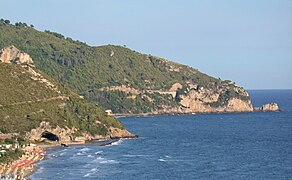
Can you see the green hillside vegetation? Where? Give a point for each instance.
(86, 69)
(24, 103)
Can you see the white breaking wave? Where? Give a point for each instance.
(84, 149)
(79, 154)
(136, 155)
(109, 162)
(99, 159)
(89, 156)
(62, 153)
(99, 152)
(116, 143)
(172, 160)
(93, 170)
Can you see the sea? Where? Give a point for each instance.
(198, 146)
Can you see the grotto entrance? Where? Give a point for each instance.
(50, 136)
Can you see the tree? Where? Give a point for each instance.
(6, 21)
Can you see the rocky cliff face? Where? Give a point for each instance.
(192, 98)
(72, 135)
(203, 100)
(239, 105)
(12, 55)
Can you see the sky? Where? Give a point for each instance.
(246, 41)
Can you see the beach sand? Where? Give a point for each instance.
(24, 166)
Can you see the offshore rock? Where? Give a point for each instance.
(270, 107)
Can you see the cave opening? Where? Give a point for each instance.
(50, 136)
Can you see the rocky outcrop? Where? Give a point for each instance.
(122, 88)
(270, 107)
(175, 87)
(120, 133)
(192, 98)
(40, 78)
(72, 135)
(239, 105)
(64, 135)
(204, 100)
(13, 55)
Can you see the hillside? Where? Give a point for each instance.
(31, 103)
(123, 80)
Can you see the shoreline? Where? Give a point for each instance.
(25, 166)
(119, 115)
(269, 107)
(98, 142)
(31, 168)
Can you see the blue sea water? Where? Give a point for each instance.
(210, 146)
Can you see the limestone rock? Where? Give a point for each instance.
(198, 101)
(66, 135)
(13, 55)
(272, 107)
(175, 87)
(120, 133)
(238, 105)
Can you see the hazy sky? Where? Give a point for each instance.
(247, 41)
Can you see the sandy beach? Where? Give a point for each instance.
(24, 166)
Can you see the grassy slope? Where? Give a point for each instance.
(82, 67)
(17, 86)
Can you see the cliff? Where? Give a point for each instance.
(32, 104)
